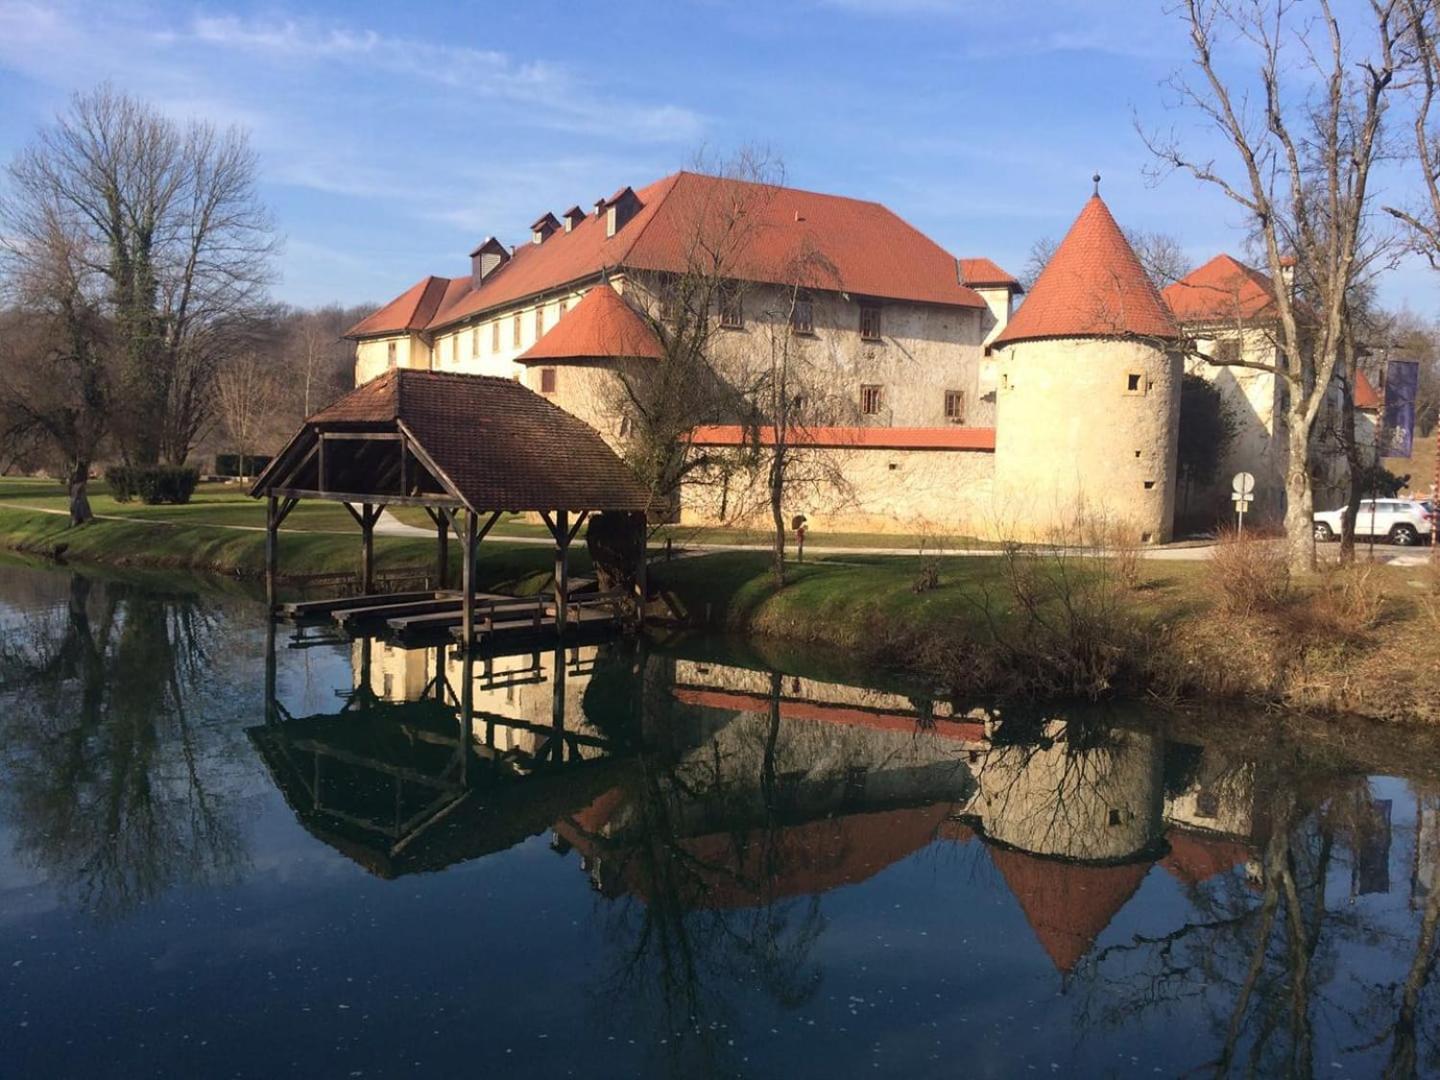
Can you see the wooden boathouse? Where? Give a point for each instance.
(466, 448)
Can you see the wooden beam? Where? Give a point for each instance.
(368, 516)
(422, 456)
(442, 548)
(562, 570)
(579, 521)
(468, 583)
(361, 436)
(272, 549)
(441, 501)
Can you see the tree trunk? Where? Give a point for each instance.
(80, 511)
(1300, 500)
(777, 493)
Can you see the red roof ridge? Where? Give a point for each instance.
(601, 326)
(1093, 287)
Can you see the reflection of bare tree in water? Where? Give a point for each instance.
(680, 958)
(105, 785)
(1265, 964)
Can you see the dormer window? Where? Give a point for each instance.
(619, 209)
(573, 217)
(486, 259)
(543, 227)
(870, 322)
(802, 316)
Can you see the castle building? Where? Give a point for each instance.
(1088, 413)
(932, 409)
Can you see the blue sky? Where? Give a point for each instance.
(395, 136)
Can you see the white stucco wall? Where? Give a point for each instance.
(1075, 444)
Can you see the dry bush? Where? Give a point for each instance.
(1348, 599)
(1248, 575)
(1071, 629)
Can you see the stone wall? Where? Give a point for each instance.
(946, 493)
(1086, 429)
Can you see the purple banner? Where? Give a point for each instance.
(1402, 385)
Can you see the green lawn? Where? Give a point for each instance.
(229, 504)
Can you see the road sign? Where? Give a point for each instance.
(1244, 484)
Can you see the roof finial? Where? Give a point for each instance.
(1096, 179)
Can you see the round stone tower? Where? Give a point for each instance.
(1087, 411)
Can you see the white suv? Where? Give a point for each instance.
(1401, 521)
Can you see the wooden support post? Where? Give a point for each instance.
(562, 570)
(271, 705)
(557, 706)
(272, 549)
(468, 581)
(467, 713)
(368, 517)
(442, 547)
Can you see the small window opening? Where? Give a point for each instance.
(1116, 817)
(870, 322)
(869, 400)
(732, 307)
(1133, 383)
(955, 406)
(547, 380)
(802, 316)
(390, 354)
(1149, 484)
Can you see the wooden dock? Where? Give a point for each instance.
(421, 616)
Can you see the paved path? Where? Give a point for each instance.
(390, 525)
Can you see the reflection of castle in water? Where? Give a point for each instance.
(709, 785)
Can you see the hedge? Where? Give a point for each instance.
(152, 483)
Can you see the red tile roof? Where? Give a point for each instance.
(849, 244)
(1366, 397)
(504, 447)
(858, 438)
(1093, 286)
(1067, 904)
(982, 273)
(411, 310)
(1224, 289)
(602, 326)
(1195, 857)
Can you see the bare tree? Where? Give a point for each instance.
(245, 397)
(1305, 130)
(1162, 256)
(792, 397)
(168, 216)
(687, 311)
(54, 379)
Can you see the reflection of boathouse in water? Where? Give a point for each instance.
(710, 785)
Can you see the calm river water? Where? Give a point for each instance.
(672, 860)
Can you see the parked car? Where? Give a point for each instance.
(1400, 521)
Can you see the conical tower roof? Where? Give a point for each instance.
(1093, 286)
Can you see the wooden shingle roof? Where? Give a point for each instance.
(501, 445)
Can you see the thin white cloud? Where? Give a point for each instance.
(565, 100)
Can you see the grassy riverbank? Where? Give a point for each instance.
(203, 547)
(1043, 625)
(1036, 625)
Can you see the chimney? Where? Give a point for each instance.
(486, 259)
(1287, 273)
(573, 217)
(542, 227)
